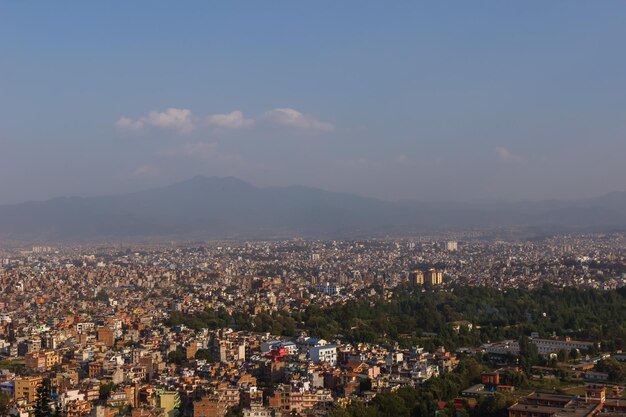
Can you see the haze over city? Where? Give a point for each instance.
(312, 208)
(435, 102)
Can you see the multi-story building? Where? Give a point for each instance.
(106, 336)
(42, 360)
(168, 401)
(328, 289)
(257, 410)
(434, 277)
(451, 245)
(416, 277)
(210, 406)
(545, 347)
(326, 354)
(26, 388)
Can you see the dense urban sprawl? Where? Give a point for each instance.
(256, 328)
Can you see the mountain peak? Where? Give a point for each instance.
(218, 207)
(202, 183)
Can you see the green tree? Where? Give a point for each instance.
(5, 399)
(528, 352)
(179, 411)
(494, 405)
(105, 390)
(616, 370)
(102, 296)
(204, 354)
(514, 378)
(177, 356)
(43, 400)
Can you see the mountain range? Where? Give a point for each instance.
(217, 208)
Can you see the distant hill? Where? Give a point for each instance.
(212, 208)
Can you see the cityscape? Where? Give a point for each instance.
(322, 208)
(251, 328)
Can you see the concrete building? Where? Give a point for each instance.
(26, 388)
(451, 246)
(106, 336)
(416, 277)
(326, 354)
(168, 401)
(211, 406)
(594, 403)
(434, 277)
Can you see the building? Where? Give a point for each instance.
(594, 403)
(284, 399)
(416, 277)
(326, 354)
(84, 327)
(78, 408)
(212, 406)
(190, 350)
(168, 401)
(328, 289)
(8, 388)
(26, 388)
(145, 412)
(490, 378)
(545, 346)
(434, 277)
(106, 336)
(35, 361)
(257, 410)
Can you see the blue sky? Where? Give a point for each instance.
(409, 100)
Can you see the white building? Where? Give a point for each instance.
(84, 327)
(257, 411)
(328, 289)
(327, 354)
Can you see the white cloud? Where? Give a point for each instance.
(172, 118)
(128, 123)
(182, 120)
(232, 120)
(293, 118)
(506, 155)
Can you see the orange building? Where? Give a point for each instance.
(106, 336)
(490, 378)
(26, 388)
(42, 360)
(211, 406)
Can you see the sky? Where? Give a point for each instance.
(440, 100)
